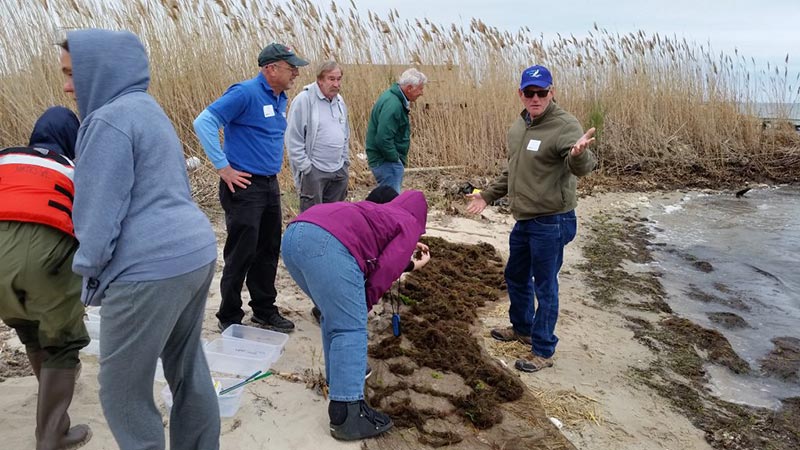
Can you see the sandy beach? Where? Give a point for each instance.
(589, 389)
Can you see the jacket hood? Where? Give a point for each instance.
(56, 130)
(105, 65)
(414, 202)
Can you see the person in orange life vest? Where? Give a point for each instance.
(39, 294)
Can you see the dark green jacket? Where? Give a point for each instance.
(388, 131)
(543, 181)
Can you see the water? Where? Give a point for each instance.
(753, 247)
(778, 110)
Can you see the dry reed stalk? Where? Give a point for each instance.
(669, 103)
(569, 406)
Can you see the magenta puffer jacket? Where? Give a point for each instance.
(381, 237)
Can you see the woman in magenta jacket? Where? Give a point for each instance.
(345, 256)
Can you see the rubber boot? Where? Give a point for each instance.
(351, 421)
(56, 387)
(36, 358)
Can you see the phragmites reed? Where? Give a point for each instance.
(666, 109)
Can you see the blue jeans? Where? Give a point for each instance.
(536, 254)
(389, 174)
(327, 272)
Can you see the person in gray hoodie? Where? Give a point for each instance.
(147, 252)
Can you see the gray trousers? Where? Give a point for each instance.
(317, 187)
(141, 321)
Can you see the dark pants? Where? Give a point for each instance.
(253, 219)
(536, 254)
(322, 187)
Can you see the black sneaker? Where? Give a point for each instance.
(275, 322)
(361, 421)
(317, 314)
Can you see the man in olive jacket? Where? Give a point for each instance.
(547, 151)
(389, 130)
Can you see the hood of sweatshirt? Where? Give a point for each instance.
(56, 130)
(414, 202)
(105, 65)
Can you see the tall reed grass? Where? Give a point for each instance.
(666, 108)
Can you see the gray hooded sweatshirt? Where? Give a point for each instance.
(133, 212)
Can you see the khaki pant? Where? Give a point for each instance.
(39, 293)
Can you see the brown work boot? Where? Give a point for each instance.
(53, 432)
(508, 334)
(533, 363)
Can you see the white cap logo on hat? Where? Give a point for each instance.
(535, 73)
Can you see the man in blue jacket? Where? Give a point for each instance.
(146, 250)
(253, 115)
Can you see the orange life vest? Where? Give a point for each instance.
(36, 186)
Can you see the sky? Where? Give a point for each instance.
(766, 30)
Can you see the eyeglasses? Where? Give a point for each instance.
(288, 67)
(529, 93)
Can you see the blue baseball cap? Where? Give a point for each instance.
(537, 76)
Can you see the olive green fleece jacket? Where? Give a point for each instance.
(388, 130)
(542, 181)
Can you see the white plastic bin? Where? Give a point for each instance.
(93, 348)
(93, 314)
(259, 335)
(159, 376)
(93, 328)
(240, 357)
(160, 372)
(228, 403)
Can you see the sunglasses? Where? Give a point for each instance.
(288, 67)
(528, 93)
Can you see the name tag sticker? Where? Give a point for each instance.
(533, 145)
(269, 111)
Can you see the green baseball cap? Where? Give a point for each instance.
(279, 52)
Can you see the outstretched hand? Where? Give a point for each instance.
(476, 204)
(582, 143)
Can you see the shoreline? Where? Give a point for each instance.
(603, 387)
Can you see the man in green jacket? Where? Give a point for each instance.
(547, 151)
(389, 130)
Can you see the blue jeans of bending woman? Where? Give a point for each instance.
(536, 252)
(327, 272)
